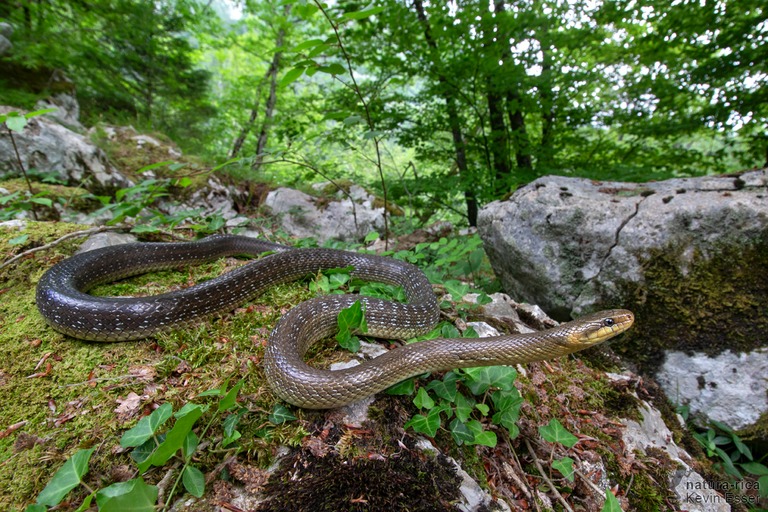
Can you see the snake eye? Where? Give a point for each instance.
(609, 322)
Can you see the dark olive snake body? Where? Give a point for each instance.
(63, 301)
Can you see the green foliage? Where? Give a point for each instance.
(154, 448)
(351, 320)
(732, 456)
(469, 399)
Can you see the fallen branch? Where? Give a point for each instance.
(58, 241)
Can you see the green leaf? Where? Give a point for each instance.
(190, 445)
(406, 387)
(194, 481)
(370, 237)
(152, 167)
(147, 426)
(36, 507)
(445, 388)
(611, 503)
(307, 44)
(230, 400)
(464, 407)
(86, 504)
(762, 482)
(41, 200)
(351, 319)
(280, 414)
(18, 239)
(481, 379)
(426, 425)
(481, 436)
(291, 76)
(484, 409)
(36, 113)
(16, 123)
(555, 432)
(185, 420)
(460, 432)
(457, 289)
(565, 467)
(144, 450)
(755, 468)
(66, 478)
(359, 15)
(333, 69)
(422, 400)
(131, 496)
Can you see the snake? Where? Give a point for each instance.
(64, 302)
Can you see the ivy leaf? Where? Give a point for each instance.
(280, 414)
(426, 425)
(66, 478)
(565, 467)
(555, 432)
(481, 379)
(146, 427)
(446, 388)
(133, 496)
(460, 432)
(406, 387)
(464, 407)
(422, 400)
(194, 481)
(18, 239)
(481, 436)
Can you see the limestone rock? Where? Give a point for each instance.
(729, 388)
(563, 242)
(301, 215)
(690, 488)
(50, 147)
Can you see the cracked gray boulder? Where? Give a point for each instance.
(48, 147)
(565, 243)
(688, 255)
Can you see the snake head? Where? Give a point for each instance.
(601, 326)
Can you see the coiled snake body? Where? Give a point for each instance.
(65, 305)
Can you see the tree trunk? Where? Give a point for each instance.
(453, 116)
(246, 129)
(269, 109)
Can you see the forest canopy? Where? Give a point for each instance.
(443, 106)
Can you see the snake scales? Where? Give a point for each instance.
(63, 301)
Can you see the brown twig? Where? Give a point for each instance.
(544, 476)
(58, 241)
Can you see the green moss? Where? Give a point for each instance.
(720, 303)
(63, 393)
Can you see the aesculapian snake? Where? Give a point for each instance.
(63, 300)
